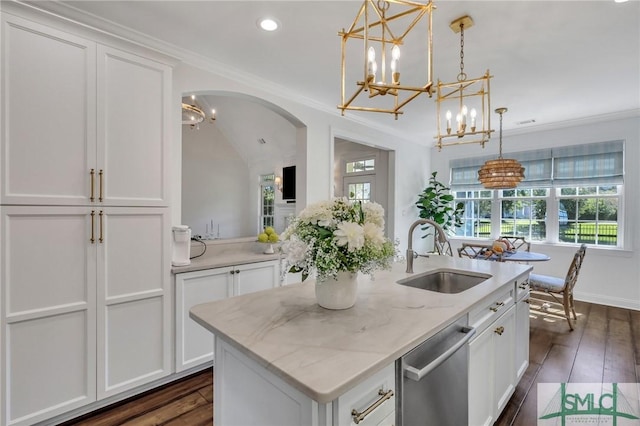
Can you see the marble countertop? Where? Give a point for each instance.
(222, 253)
(324, 353)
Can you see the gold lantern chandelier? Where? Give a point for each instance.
(463, 106)
(501, 173)
(382, 27)
(193, 115)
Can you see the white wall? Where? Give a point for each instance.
(217, 178)
(608, 276)
(314, 150)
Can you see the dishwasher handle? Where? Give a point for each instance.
(416, 375)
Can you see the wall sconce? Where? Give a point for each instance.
(278, 182)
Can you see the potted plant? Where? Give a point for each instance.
(335, 240)
(436, 203)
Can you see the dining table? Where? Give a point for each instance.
(524, 256)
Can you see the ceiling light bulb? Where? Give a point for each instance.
(193, 97)
(371, 54)
(268, 24)
(395, 52)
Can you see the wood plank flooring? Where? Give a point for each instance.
(604, 347)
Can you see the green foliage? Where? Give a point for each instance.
(436, 203)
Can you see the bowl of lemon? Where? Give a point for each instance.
(269, 237)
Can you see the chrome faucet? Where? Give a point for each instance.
(442, 237)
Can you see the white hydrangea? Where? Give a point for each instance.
(373, 213)
(318, 214)
(295, 249)
(350, 234)
(373, 234)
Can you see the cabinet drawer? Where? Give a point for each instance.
(491, 307)
(522, 287)
(379, 391)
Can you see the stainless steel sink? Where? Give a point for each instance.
(445, 280)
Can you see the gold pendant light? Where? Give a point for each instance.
(466, 102)
(502, 173)
(381, 27)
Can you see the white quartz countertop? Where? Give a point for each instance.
(323, 353)
(222, 253)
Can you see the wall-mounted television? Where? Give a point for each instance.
(289, 183)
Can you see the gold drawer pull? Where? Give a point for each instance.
(499, 330)
(93, 226)
(101, 214)
(100, 174)
(523, 286)
(92, 173)
(493, 309)
(527, 301)
(500, 303)
(358, 417)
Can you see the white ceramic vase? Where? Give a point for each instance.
(340, 293)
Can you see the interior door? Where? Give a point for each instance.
(359, 188)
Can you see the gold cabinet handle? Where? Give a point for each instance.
(101, 239)
(523, 286)
(359, 416)
(92, 173)
(499, 330)
(101, 174)
(527, 301)
(494, 309)
(500, 303)
(232, 272)
(93, 226)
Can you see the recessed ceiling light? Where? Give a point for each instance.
(268, 24)
(621, 1)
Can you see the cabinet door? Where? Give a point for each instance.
(504, 334)
(194, 344)
(48, 292)
(481, 378)
(133, 298)
(522, 337)
(48, 115)
(133, 129)
(256, 276)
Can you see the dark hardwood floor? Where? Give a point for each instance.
(604, 347)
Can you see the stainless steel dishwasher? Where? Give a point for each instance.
(432, 379)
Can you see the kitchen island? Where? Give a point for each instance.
(283, 336)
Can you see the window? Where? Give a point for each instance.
(523, 213)
(477, 213)
(589, 214)
(368, 165)
(569, 195)
(267, 200)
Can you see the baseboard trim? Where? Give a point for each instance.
(607, 300)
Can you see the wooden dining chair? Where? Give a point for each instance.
(478, 251)
(517, 243)
(556, 286)
(443, 247)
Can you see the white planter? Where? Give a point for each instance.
(340, 293)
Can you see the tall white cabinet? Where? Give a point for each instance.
(85, 226)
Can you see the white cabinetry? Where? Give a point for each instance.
(82, 319)
(85, 252)
(495, 354)
(251, 392)
(194, 344)
(522, 328)
(65, 156)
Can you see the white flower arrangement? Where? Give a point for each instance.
(337, 235)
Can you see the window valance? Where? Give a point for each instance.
(597, 163)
